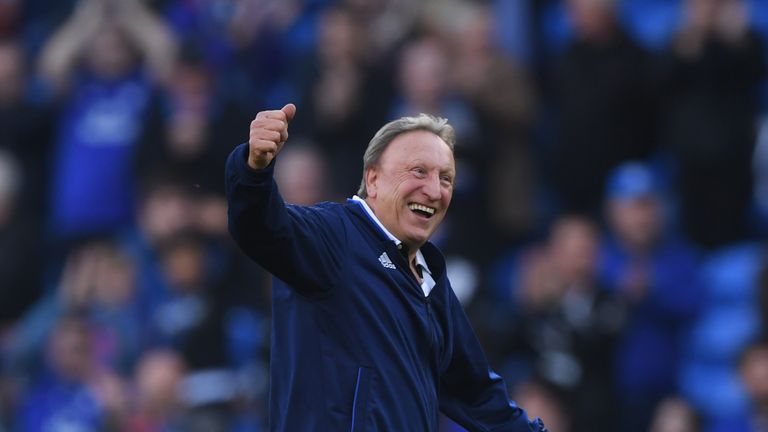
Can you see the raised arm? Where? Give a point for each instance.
(63, 49)
(149, 34)
(301, 245)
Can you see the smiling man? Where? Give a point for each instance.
(367, 334)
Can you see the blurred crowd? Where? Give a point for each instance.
(607, 236)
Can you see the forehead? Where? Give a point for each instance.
(418, 146)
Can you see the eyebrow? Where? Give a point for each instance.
(442, 170)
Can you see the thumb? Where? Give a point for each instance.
(289, 110)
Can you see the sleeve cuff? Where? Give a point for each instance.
(248, 175)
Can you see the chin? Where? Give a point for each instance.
(419, 239)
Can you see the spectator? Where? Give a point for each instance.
(179, 128)
(185, 277)
(20, 249)
(605, 99)
(178, 140)
(93, 62)
(157, 404)
(501, 94)
(190, 317)
(24, 146)
(711, 70)
(168, 207)
(655, 274)
(165, 209)
(570, 325)
(424, 86)
(254, 46)
(98, 284)
(76, 394)
(346, 91)
(26, 129)
(111, 305)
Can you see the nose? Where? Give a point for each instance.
(432, 187)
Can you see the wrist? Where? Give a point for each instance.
(257, 163)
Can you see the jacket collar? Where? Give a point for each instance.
(428, 255)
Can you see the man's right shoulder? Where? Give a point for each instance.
(347, 214)
(332, 212)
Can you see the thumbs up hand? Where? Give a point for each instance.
(269, 131)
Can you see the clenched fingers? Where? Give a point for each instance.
(268, 132)
(269, 124)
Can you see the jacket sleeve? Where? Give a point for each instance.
(471, 394)
(301, 245)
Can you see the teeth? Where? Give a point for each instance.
(423, 208)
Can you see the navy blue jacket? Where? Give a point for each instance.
(356, 346)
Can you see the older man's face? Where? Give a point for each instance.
(410, 188)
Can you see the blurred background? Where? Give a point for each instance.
(607, 235)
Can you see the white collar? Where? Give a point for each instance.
(419, 256)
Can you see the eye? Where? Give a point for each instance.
(419, 171)
(447, 180)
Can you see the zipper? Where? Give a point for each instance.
(428, 307)
(405, 267)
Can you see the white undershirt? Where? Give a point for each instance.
(427, 283)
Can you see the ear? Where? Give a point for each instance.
(371, 181)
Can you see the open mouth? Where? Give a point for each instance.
(422, 210)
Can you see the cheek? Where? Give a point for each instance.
(446, 198)
(405, 189)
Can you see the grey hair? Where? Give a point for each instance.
(426, 122)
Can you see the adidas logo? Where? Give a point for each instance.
(385, 261)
